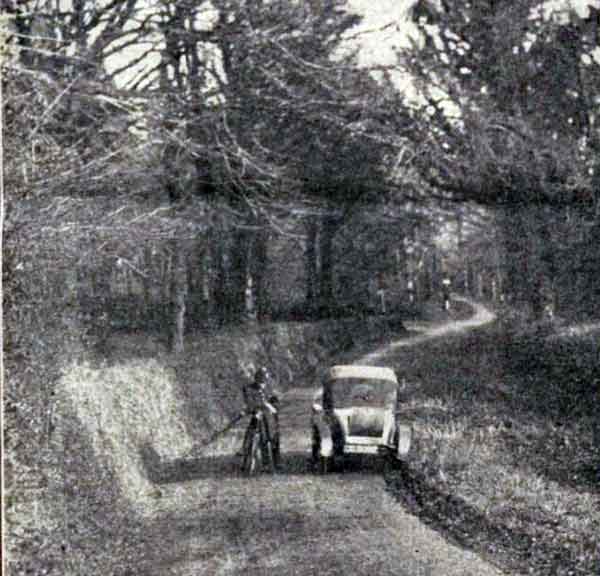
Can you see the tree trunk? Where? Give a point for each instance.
(548, 262)
(178, 297)
(258, 267)
(435, 275)
(462, 279)
(312, 266)
(221, 305)
(197, 271)
(147, 302)
(515, 240)
(240, 258)
(530, 261)
(469, 274)
(328, 231)
(100, 303)
(207, 296)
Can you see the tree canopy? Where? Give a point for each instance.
(511, 98)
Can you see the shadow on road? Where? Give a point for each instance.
(211, 466)
(470, 527)
(228, 465)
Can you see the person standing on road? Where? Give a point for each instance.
(262, 395)
(446, 293)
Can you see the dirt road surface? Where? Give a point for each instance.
(212, 521)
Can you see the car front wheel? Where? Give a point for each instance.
(324, 466)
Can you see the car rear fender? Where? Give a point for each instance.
(404, 441)
(389, 425)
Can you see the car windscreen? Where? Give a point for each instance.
(347, 392)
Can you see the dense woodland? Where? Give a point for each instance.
(205, 189)
(178, 165)
(243, 136)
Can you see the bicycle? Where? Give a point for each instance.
(257, 451)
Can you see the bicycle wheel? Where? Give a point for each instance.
(255, 460)
(266, 449)
(246, 447)
(251, 450)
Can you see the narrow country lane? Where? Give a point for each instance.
(427, 331)
(210, 520)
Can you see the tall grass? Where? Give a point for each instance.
(122, 409)
(506, 426)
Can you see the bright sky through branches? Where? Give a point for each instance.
(385, 28)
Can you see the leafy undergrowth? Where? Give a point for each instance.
(504, 458)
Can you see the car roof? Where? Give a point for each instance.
(357, 371)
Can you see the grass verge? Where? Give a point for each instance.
(504, 459)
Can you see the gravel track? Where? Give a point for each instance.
(209, 520)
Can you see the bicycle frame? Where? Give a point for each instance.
(257, 448)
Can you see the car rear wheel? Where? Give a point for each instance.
(390, 463)
(315, 445)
